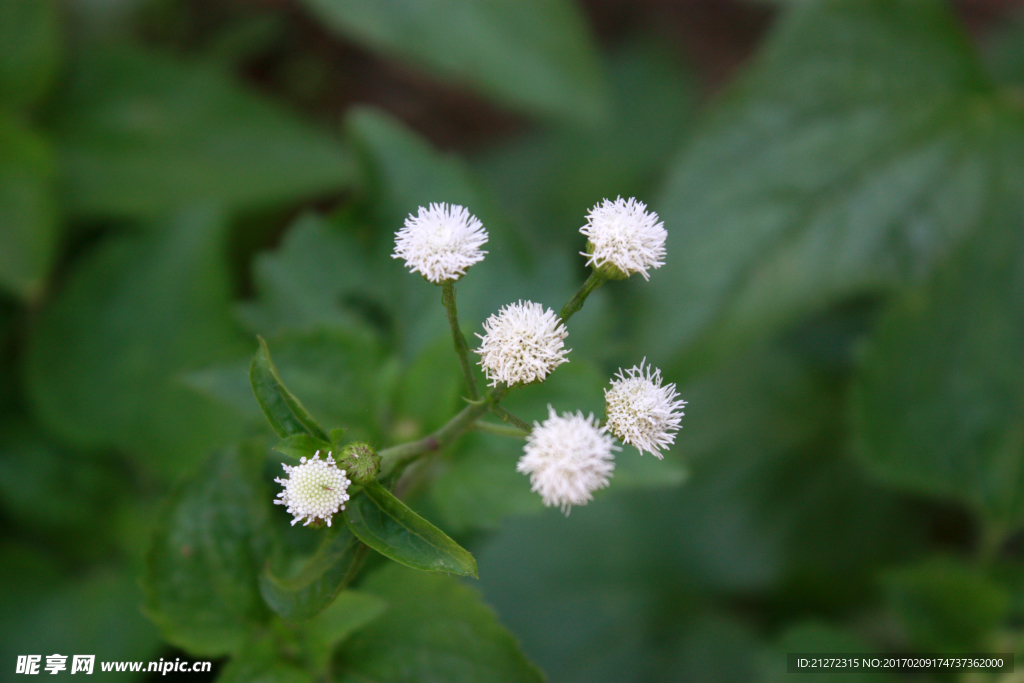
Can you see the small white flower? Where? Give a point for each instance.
(316, 489)
(567, 458)
(524, 342)
(641, 412)
(441, 242)
(625, 235)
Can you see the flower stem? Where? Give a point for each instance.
(395, 459)
(448, 299)
(576, 302)
(500, 430)
(508, 417)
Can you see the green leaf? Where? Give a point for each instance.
(28, 208)
(105, 355)
(141, 133)
(825, 173)
(29, 32)
(463, 640)
(318, 582)
(302, 446)
(284, 412)
(535, 55)
(939, 403)
(341, 376)
(387, 525)
(204, 557)
(350, 612)
(304, 284)
(945, 605)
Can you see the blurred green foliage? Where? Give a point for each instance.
(842, 306)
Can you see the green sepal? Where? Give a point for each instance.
(303, 446)
(360, 461)
(318, 584)
(390, 527)
(284, 412)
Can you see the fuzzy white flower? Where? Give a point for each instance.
(524, 342)
(567, 458)
(641, 412)
(624, 234)
(315, 489)
(441, 242)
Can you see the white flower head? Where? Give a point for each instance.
(641, 412)
(441, 242)
(524, 342)
(316, 489)
(626, 236)
(567, 458)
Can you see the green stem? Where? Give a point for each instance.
(499, 430)
(576, 302)
(448, 299)
(508, 417)
(395, 459)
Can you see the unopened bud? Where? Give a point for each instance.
(360, 461)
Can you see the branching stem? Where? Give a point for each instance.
(576, 302)
(448, 298)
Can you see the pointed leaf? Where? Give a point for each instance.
(319, 581)
(303, 446)
(388, 526)
(285, 412)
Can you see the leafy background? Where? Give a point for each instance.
(843, 306)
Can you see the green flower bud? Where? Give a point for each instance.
(607, 269)
(360, 461)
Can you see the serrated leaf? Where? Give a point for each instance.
(28, 208)
(29, 32)
(464, 642)
(939, 402)
(141, 133)
(825, 173)
(104, 356)
(536, 55)
(285, 413)
(203, 561)
(387, 525)
(302, 446)
(317, 583)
